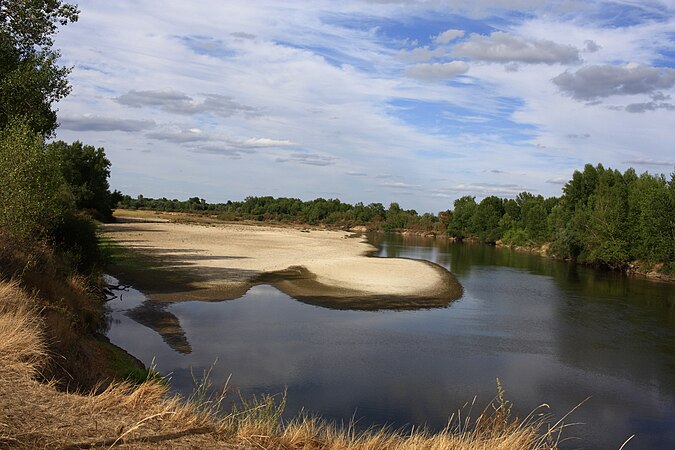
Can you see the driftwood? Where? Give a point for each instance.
(110, 295)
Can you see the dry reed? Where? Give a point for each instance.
(35, 414)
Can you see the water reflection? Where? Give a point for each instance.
(551, 332)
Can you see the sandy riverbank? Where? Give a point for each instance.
(224, 260)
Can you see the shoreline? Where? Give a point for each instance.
(177, 262)
(634, 269)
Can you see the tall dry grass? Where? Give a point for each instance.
(35, 414)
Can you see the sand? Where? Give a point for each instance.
(225, 260)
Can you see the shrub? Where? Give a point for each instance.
(33, 195)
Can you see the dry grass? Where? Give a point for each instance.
(35, 414)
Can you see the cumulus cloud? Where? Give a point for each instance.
(447, 36)
(557, 180)
(591, 46)
(598, 81)
(180, 103)
(98, 123)
(578, 136)
(501, 47)
(437, 71)
(420, 54)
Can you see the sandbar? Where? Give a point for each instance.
(222, 261)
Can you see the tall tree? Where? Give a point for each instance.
(485, 220)
(86, 169)
(460, 225)
(31, 81)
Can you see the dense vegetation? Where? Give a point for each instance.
(604, 217)
(49, 193)
(292, 210)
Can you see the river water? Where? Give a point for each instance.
(551, 333)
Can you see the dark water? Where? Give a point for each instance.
(552, 333)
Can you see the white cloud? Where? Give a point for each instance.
(558, 180)
(180, 103)
(503, 47)
(310, 159)
(325, 90)
(437, 71)
(267, 142)
(420, 54)
(448, 35)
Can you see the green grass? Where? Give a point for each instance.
(126, 368)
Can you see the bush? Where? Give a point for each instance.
(516, 236)
(34, 198)
(76, 238)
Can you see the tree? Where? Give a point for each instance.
(606, 232)
(30, 79)
(652, 226)
(34, 198)
(534, 218)
(86, 169)
(485, 220)
(460, 225)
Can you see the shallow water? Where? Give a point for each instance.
(551, 332)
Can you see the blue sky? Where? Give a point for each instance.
(419, 102)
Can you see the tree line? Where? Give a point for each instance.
(49, 192)
(604, 217)
(320, 211)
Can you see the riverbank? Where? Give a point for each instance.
(38, 310)
(171, 261)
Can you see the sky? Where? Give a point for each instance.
(417, 102)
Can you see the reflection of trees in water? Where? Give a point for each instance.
(618, 326)
(603, 321)
(157, 317)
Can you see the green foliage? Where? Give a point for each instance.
(485, 219)
(461, 225)
(30, 79)
(603, 217)
(314, 212)
(651, 203)
(516, 236)
(34, 198)
(86, 170)
(75, 236)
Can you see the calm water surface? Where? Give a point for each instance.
(551, 332)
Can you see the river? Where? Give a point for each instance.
(551, 333)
